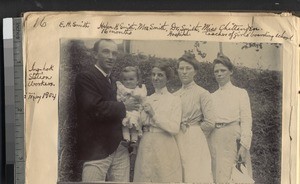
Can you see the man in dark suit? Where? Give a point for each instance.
(100, 119)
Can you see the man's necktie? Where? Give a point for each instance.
(108, 78)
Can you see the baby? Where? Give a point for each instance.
(130, 86)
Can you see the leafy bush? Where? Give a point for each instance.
(264, 88)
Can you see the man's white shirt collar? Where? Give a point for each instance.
(103, 72)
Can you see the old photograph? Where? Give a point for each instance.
(169, 111)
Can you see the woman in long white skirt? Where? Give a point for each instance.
(197, 120)
(231, 139)
(158, 158)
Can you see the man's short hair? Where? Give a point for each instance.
(97, 43)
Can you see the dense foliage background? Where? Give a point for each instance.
(264, 88)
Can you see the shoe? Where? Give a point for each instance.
(125, 143)
(133, 146)
(133, 151)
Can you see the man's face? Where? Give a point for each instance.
(106, 55)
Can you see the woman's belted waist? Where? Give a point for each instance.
(186, 124)
(221, 125)
(152, 129)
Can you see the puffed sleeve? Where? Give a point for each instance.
(143, 91)
(246, 119)
(140, 91)
(121, 92)
(170, 119)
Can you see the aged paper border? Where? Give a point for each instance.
(41, 44)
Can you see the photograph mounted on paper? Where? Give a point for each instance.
(169, 111)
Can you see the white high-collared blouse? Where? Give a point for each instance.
(167, 108)
(233, 104)
(197, 103)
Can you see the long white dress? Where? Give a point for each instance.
(192, 143)
(158, 158)
(223, 141)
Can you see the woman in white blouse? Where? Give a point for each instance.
(230, 141)
(197, 120)
(158, 158)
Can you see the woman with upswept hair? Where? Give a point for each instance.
(196, 123)
(158, 158)
(230, 141)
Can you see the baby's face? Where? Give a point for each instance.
(130, 80)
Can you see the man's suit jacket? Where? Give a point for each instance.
(99, 115)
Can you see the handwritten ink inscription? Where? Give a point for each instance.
(40, 75)
(38, 97)
(121, 28)
(183, 30)
(231, 30)
(74, 24)
(40, 22)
